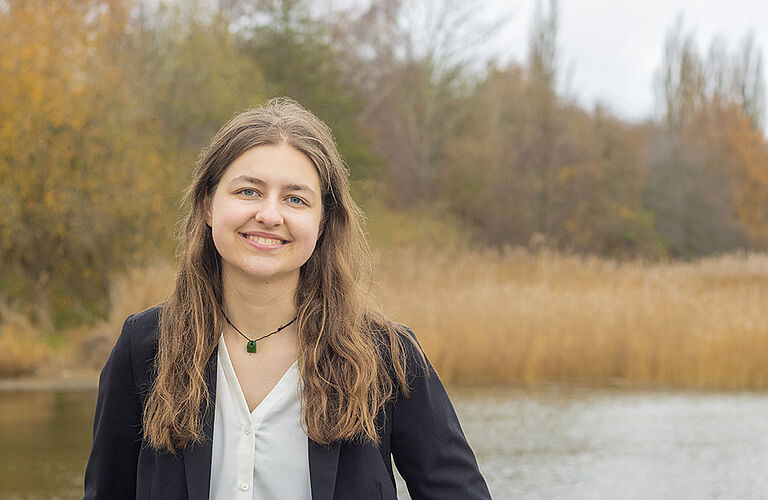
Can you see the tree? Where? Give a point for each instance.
(543, 101)
(75, 182)
(187, 64)
(297, 59)
(707, 175)
(410, 60)
(682, 79)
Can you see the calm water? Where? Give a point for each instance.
(45, 439)
(569, 443)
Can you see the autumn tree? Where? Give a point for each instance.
(596, 185)
(706, 175)
(75, 179)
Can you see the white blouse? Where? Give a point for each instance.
(262, 454)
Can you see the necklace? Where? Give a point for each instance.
(251, 345)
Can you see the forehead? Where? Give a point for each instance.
(274, 164)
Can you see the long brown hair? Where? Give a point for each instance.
(348, 349)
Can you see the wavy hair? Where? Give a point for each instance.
(352, 358)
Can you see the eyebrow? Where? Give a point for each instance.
(286, 187)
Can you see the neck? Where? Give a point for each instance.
(254, 305)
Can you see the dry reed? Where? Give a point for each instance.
(21, 350)
(513, 316)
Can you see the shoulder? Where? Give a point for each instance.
(145, 320)
(399, 347)
(416, 360)
(142, 329)
(137, 343)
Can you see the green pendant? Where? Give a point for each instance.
(251, 346)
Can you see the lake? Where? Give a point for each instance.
(537, 443)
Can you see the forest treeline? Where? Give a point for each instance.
(105, 104)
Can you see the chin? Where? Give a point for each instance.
(263, 274)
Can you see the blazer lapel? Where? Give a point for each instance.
(323, 459)
(197, 457)
(323, 464)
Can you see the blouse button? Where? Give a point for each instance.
(247, 430)
(244, 486)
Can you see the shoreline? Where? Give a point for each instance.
(78, 382)
(90, 382)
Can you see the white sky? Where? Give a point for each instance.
(611, 49)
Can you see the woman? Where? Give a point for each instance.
(268, 373)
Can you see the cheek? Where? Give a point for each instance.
(311, 232)
(224, 222)
(225, 214)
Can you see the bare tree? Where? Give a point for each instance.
(411, 59)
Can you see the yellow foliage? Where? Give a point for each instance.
(70, 152)
(745, 153)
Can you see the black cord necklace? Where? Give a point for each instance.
(251, 345)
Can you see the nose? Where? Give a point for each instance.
(269, 213)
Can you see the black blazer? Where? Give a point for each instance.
(421, 433)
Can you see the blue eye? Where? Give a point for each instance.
(296, 200)
(248, 192)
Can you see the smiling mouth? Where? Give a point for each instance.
(264, 241)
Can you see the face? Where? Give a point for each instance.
(265, 213)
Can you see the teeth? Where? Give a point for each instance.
(263, 241)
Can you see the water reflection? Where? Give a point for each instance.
(45, 436)
(579, 443)
(536, 443)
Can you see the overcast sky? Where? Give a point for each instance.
(611, 49)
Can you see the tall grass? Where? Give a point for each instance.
(21, 350)
(520, 317)
(513, 316)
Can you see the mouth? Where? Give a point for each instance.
(268, 241)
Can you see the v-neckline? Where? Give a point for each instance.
(277, 391)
